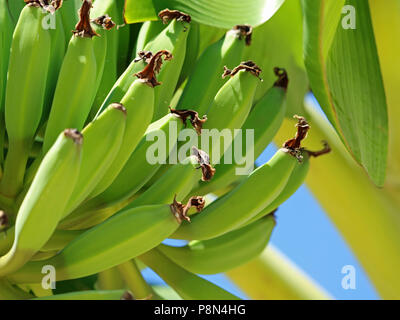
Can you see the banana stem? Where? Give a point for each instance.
(271, 276)
(110, 279)
(135, 281)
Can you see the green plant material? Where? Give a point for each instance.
(130, 233)
(136, 172)
(110, 279)
(272, 276)
(216, 13)
(205, 80)
(70, 16)
(15, 7)
(10, 292)
(51, 188)
(23, 108)
(345, 76)
(386, 22)
(87, 295)
(367, 208)
(210, 256)
(186, 284)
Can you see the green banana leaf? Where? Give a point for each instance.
(345, 76)
(217, 13)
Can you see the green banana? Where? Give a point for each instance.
(109, 127)
(205, 80)
(45, 201)
(136, 172)
(69, 16)
(265, 120)
(210, 256)
(86, 295)
(74, 91)
(29, 60)
(148, 31)
(259, 189)
(188, 285)
(131, 233)
(109, 76)
(15, 7)
(139, 103)
(172, 37)
(177, 182)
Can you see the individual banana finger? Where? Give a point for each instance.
(210, 256)
(45, 200)
(29, 61)
(130, 233)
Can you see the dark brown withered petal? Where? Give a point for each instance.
(49, 6)
(202, 157)
(197, 202)
(326, 149)
(177, 210)
(74, 134)
(249, 66)
(283, 79)
(167, 15)
(208, 172)
(204, 160)
(193, 116)
(105, 22)
(301, 134)
(144, 56)
(197, 123)
(245, 31)
(83, 27)
(127, 295)
(148, 74)
(3, 220)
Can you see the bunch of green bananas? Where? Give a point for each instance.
(78, 115)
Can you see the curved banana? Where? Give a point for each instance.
(211, 256)
(173, 36)
(130, 233)
(136, 172)
(259, 189)
(177, 182)
(29, 61)
(45, 201)
(74, 91)
(109, 128)
(205, 80)
(188, 285)
(148, 31)
(139, 103)
(265, 120)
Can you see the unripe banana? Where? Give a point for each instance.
(224, 252)
(86, 295)
(169, 39)
(109, 128)
(29, 60)
(75, 90)
(205, 80)
(139, 103)
(177, 182)
(188, 285)
(69, 16)
(130, 233)
(148, 31)
(265, 120)
(295, 181)
(259, 189)
(136, 172)
(45, 201)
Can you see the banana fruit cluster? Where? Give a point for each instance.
(82, 99)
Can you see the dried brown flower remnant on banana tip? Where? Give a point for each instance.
(193, 116)
(283, 80)
(244, 30)
(204, 161)
(49, 6)
(3, 220)
(74, 134)
(104, 21)
(180, 210)
(83, 27)
(167, 15)
(148, 74)
(248, 66)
